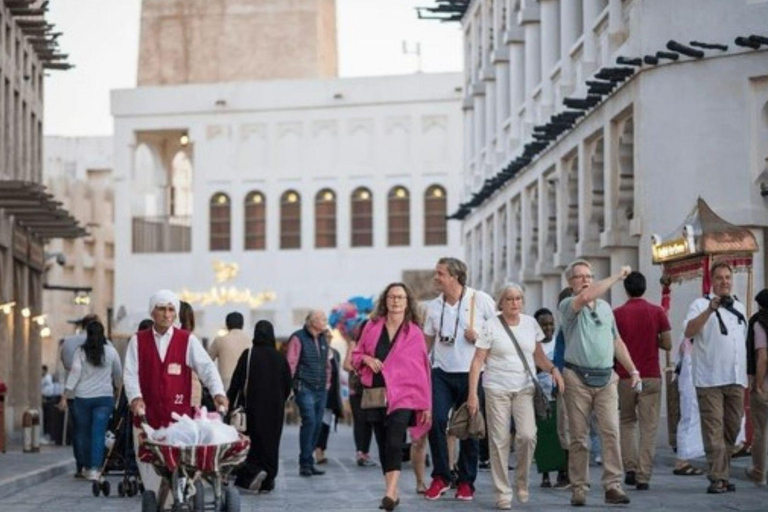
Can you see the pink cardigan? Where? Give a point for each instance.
(406, 371)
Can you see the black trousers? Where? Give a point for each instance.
(322, 439)
(390, 436)
(363, 429)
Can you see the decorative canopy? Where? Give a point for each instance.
(37, 211)
(703, 239)
(445, 10)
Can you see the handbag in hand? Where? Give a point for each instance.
(540, 402)
(238, 416)
(374, 398)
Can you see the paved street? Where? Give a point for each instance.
(348, 487)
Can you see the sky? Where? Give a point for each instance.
(102, 40)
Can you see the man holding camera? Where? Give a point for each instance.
(453, 322)
(717, 325)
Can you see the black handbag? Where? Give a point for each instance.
(540, 401)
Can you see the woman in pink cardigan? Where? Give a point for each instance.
(392, 354)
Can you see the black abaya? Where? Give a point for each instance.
(269, 385)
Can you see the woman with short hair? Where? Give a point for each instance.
(392, 354)
(509, 389)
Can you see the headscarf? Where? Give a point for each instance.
(762, 298)
(164, 298)
(264, 333)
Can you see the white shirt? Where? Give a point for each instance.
(456, 357)
(718, 359)
(504, 370)
(545, 379)
(197, 359)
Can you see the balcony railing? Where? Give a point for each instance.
(162, 234)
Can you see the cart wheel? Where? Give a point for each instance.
(149, 502)
(105, 487)
(136, 488)
(121, 489)
(199, 497)
(231, 499)
(95, 488)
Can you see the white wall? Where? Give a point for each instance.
(302, 135)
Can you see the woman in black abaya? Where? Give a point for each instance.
(262, 384)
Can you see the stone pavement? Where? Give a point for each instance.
(348, 487)
(20, 470)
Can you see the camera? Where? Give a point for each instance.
(447, 340)
(726, 301)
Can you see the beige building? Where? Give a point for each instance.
(78, 172)
(29, 217)
(204, 41)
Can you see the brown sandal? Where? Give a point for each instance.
(688, 470)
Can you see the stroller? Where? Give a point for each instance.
(184, 469)
(121, 457)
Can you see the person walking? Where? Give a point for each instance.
(591, 343)
(362, 429)
(95, 374)
(645, 329)
(453, 321)
(392, 360)
(226, 350)
(509, 389)
(718, 328)
(333, 407)
(261, 382)
(549, 454)
(311, 371)
(757, 367)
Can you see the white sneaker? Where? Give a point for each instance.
(92, 474)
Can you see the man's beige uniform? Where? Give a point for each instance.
(226, 350)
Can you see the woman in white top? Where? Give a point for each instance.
(509, 390)
(95, 369)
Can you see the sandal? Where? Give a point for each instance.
(688, 470)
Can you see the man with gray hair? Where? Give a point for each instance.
(591, 343)
(453, 322)
(311, 370)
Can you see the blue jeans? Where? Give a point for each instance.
(91, 419)
(449, 390)
(311, 404)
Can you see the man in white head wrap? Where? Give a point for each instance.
(159, 362)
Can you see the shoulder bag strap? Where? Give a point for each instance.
(519, 350)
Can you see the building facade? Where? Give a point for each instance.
(275, 197)
(200, 41)
(585, 134)
(79, 277)
(29, 217)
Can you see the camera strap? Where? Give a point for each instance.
(458, 315)
(730, 309)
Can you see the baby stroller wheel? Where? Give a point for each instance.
(121, 489)
(231, 499)
(95, 488)
(135, 487)
(199, 503)
(149, 502)
(105, 487)
(140, 486)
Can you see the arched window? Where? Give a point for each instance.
(220, 222)
(435, 225)
(398, 217)
(362, 218)
(290, 220)
(325, 219)
(255, 221)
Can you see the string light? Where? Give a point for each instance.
(7, 307)
(26, 312)
(39, 319)
(45, 332)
